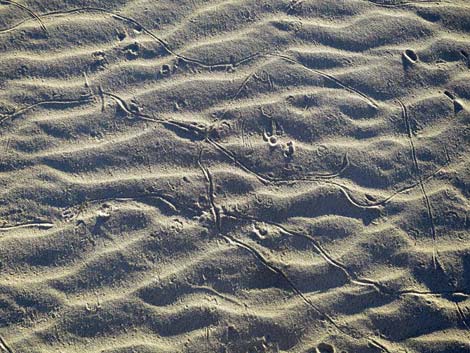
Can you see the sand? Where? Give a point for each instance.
(234, 176)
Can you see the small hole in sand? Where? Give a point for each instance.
(325, 348)
(458, 106)
(165, 70)
(370, 197)
(410, 56)
(121, 36)
(449, 94)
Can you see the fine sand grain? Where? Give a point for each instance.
(234, 176)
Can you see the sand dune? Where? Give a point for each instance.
(234, 176)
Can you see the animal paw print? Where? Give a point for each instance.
(273, 138)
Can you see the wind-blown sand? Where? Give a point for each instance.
(234, 176)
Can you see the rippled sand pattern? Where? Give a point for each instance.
(234, 176)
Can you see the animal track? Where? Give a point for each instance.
(233, 176)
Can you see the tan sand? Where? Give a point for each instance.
(234, 176)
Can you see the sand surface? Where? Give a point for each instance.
(234, 176)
